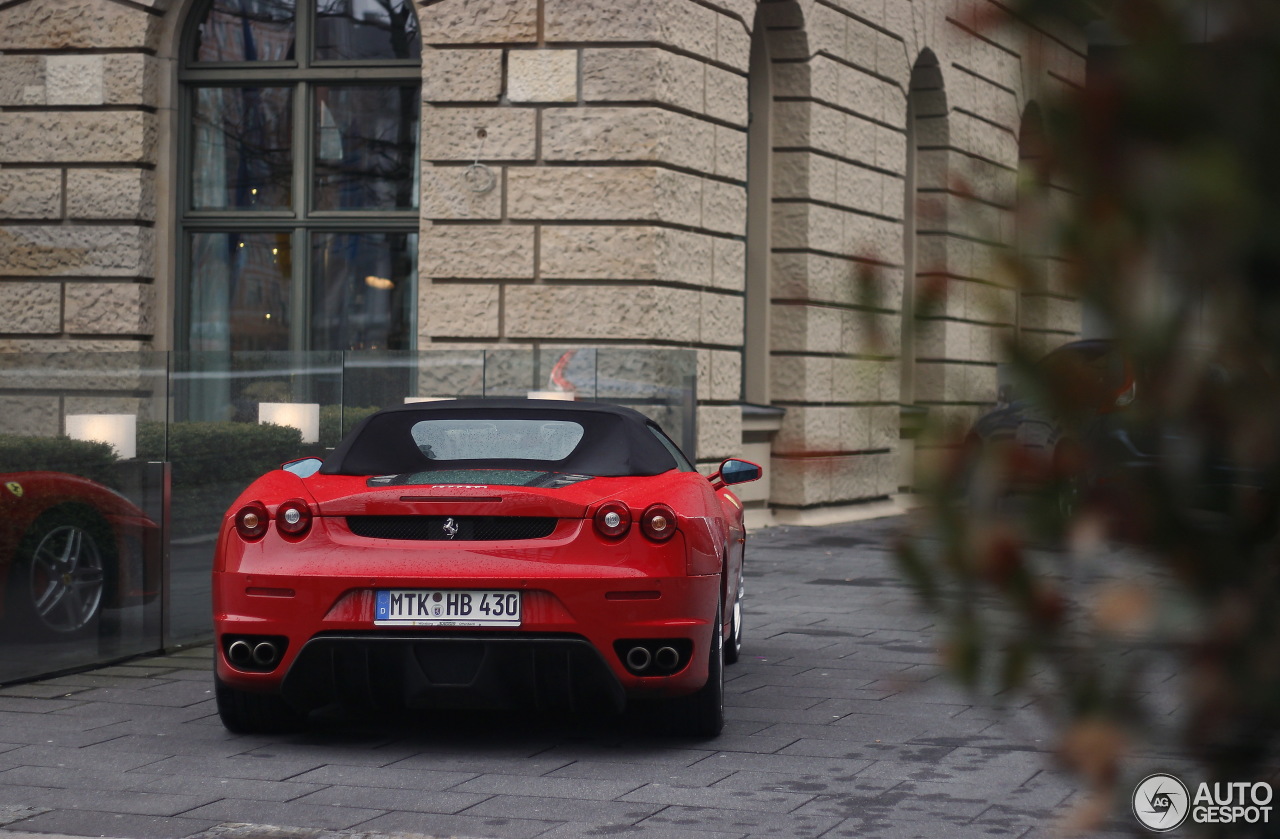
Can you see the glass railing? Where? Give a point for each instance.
(116, 468)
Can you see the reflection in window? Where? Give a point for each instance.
(246, 30)
(304, 123)
(242, 148)
(363, 30)
(366, 147)
(362, 289)
(240, 291)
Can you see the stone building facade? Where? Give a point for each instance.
(812, 194)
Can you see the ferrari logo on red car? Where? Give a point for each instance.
(15, 488)
(450, 528)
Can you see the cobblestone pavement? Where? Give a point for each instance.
(840, 724)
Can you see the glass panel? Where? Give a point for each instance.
(565, 373)
(490, 439)
(236, 416)
(240, 286)
(362, 290)
(353, 30)
(246, 30)
(81, 508)
(242, 157)
(366, 147)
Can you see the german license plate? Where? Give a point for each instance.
(446, 607)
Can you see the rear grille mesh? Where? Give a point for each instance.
(468, 528)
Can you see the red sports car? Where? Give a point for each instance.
(71, 546)
(482, 554)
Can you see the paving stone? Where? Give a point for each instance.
(488, 827)
(578, 788)
(692, 776)
(234, 767)
(720, 798)
(596, 812)
(424, 780)
(284, 813)
(646, 831)
(109, 801)
(747, 821)
(96, 823)
(381, 798)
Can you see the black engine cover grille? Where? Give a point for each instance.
(468, 528)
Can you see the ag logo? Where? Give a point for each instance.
(15, 488)
(1161, 802)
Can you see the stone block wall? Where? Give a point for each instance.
(78, 153)
(843, 74)
(617, 210)
(609, 204)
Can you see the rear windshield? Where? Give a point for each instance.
(496, 439)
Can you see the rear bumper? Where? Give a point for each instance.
(570, 631)
(316, 600)
(393, 671)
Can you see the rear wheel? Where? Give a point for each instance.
(243, 712)
(701, 714)
(733, 649)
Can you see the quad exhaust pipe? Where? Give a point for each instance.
(240, 653)
(255, 654)
(654, 657)
(638, 659)
(264, 654)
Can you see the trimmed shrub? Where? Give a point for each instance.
(95, 461)
(336, 421)
(212, 462)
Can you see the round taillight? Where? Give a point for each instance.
(293, 517)
(251, 521)
(613, 519)
(658, 522)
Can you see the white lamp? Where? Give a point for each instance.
(409, 400)
(303, 416)
(562, 395)
(120, 431)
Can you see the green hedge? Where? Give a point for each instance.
(212, 462)
(336, 421)
(95, 461)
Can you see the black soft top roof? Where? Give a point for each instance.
(616, 441)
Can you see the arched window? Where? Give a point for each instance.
(299, 177)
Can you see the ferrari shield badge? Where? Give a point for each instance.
(450, 528)
(15, 488)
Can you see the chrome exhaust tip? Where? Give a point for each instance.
(264, 654)
(638, 659)
(666, 658)
(239, 652)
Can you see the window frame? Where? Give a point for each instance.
(303, 76)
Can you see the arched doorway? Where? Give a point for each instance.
(923, 236)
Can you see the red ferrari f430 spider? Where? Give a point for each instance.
(482, 554)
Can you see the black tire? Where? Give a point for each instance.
(243, 712)
(701, 714)
(60, 578)
(733, 649)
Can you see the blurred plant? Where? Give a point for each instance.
(1167, 225)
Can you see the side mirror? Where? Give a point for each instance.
(305, 467)
(734, 471)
